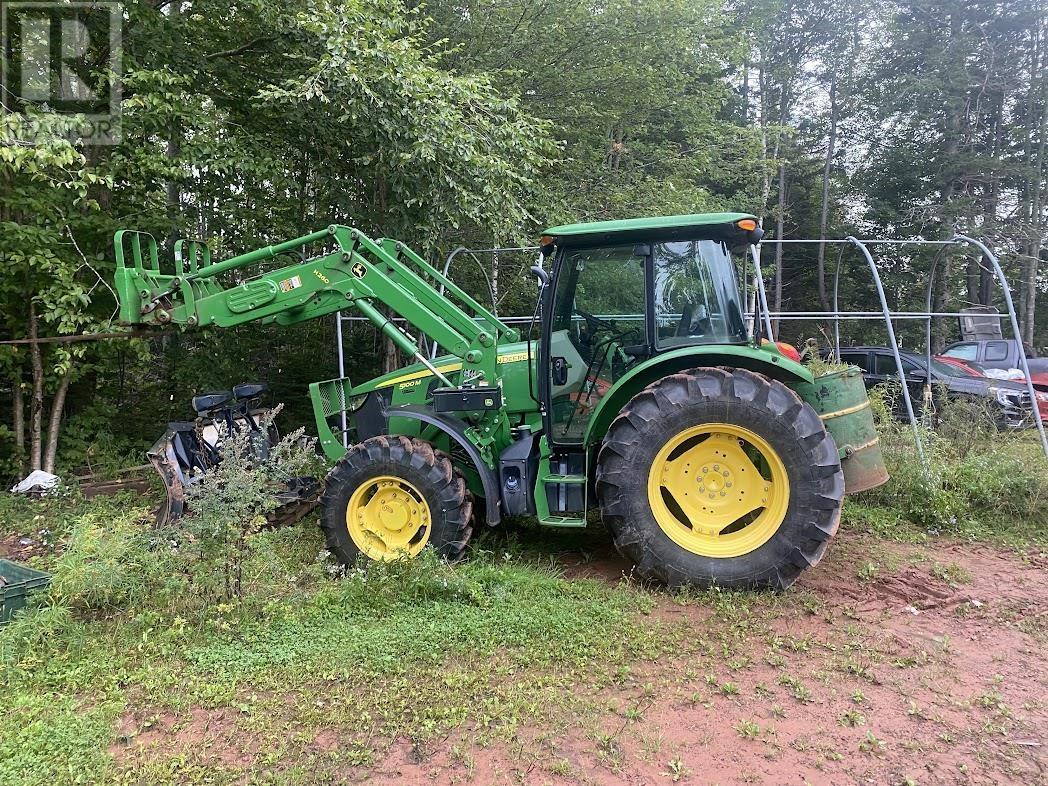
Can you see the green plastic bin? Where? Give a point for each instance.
(18, 582)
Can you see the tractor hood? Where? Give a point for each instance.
(448, 365)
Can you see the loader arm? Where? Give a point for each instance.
(337, 268)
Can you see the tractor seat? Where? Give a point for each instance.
(206, 402)
(248, 390)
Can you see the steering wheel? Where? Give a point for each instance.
(595, 322)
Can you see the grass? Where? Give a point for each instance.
(404, 650)
(113, 676)
(975, 484)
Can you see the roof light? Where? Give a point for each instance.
(747, 224)
(545, 240)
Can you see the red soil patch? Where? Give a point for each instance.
(209, 735)
(903, 677)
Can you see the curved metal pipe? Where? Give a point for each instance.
(894, 343)
(990, 257)
(447, 266)
(836, 306)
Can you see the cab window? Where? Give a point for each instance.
(597, 331)
(963, 352)
(996, 350)
(696, 295)
(886, 366)
(860, 359)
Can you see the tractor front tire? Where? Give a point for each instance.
(720, 477)
(390, 497)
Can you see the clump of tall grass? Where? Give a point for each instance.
(974, 473)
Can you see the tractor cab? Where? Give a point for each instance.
(623, 292)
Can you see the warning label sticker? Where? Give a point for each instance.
(290, 283)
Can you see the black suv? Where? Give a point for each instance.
(1010, 399)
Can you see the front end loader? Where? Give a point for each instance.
(712, 457)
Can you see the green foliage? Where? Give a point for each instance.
(37, 629)
(107, 563)
(47, 739)
(231, 501)
(90, 445)
(976, 478)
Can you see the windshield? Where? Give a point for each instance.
(954, 369)
(696, 294)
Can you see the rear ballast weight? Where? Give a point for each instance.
(713, 457)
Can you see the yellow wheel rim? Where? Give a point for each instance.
(718, 490)
(388, 518)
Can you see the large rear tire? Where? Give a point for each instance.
(720, 477)
(392, 496)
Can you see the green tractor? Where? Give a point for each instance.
(712, 457)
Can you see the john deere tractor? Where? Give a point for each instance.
(712, 457)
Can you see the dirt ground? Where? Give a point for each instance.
(886, 664)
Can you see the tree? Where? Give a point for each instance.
(48, 280)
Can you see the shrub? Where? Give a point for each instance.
(109, 562)
(35, 629)
(974, 474)
(231, 502)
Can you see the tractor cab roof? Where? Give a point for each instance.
(714, 226)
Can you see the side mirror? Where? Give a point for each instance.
(917, 375)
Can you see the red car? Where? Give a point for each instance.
(1040, 380)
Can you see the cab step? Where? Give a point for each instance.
(578, 479)
(563, 522)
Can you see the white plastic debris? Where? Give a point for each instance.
(1004, 373)
(911, 609)
(36, 482)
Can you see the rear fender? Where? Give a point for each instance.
(761, 361)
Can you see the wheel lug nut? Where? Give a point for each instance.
(705, 469)
(728, 484)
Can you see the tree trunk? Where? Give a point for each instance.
(18, 415)
(495, 280)
(746, 91)
(36, 403)
(390, 355)
(1035, 228)
(831, 143)
(173, 194)
(993, 194)
(948, 186)
(55, 422)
